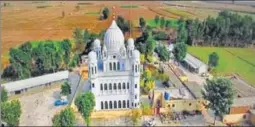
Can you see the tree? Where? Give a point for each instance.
(180, 50)
(65, 118)
(20, 61)
(75, 61)
(85, 103)
(213, 59)
(65, 89)
(4, 96)
(150, 46)
(123, 24)
(66, 46)
(10, 112)
(220, 94)
(163, 53)
(105, 13)
(182, 34)
(135, 116)
(78, 38)
(142, 22)
(156, 19)
(162, 22)
(142, 58)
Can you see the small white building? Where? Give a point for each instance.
(21, 86)
(114, 71)
(194, 65)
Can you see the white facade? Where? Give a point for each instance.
(114, 71)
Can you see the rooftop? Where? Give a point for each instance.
(35, 81)
(194, 62)
(242, 89)
(194, 88)
(245, 101)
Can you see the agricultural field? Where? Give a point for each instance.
(152, 23)
(231, 60)
(44, 20)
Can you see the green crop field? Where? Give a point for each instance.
(92, 13)
(152, 23)
(179, 12)
(231, 60)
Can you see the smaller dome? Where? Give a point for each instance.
(96, 43)
(92, 56)
(136, 54)
(130, 43)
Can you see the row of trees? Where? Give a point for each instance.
(32, 60)
(10, 111)
(227, 29)
(84, 40)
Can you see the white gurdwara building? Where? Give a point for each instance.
(114, 71)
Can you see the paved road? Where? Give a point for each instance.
(173, 78)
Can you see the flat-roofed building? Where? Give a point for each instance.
(194, 65)
(21, 86)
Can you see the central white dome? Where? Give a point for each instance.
(113, 38)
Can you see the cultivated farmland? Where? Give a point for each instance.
(231, 60)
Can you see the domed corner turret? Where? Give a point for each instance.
(97, 48)
(93, 70)
(96, 43)
(136, 55)
(92, 57)
(104, 52)
(130, 45)
(113, 38)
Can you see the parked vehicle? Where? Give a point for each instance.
(62, 101)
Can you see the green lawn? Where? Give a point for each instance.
(231, 60)
(129, 6)
(152, 23)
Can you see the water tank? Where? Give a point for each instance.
(167, 95)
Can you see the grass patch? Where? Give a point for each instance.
(231, 60)
(92, 13)
(152, 23)
(178, 12)
(43, 6)
(129, 6)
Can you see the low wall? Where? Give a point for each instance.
(236, 118)
(110, 114)
(181, 105)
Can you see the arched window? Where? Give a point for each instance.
(118, 66)
(102, 105)
(127, 103)
(119, 103)
(135, 68)
(105, 86)
(106, 104)
(92, 69)
(115, 86)
(101, 86)
(119, 86)
(115, 104)
(110, 86)
(124, 104)
(110, 104)
(95, 70)
(135, 104)
(110, 66)
(114, 66)
(93, 85)
(128, 85)
(124, 85)
(135, 85)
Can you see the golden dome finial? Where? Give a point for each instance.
(113, 14)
